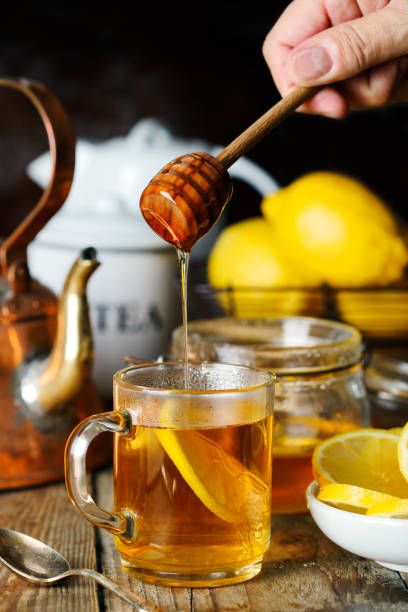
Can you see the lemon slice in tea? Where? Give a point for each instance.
(222, 483)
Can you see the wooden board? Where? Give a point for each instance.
(302, 571)
(47, 514)
(168, 599)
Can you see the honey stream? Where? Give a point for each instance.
(183, 261)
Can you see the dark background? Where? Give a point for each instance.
(196, 66)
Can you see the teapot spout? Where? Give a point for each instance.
(48, 388)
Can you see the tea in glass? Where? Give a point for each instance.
(192, 473)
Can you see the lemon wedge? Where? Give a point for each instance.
(365, 458)
(403, 452)
(354, 497)
(397, 431)
(397, 508)
(222, 483)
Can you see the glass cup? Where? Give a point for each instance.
(192, 471)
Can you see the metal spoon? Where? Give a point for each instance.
(41, 564)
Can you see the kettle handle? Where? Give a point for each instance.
(61, 142)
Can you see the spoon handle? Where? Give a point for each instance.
(262, 126)
(131, 599)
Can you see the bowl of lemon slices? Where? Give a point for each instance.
(360, 496)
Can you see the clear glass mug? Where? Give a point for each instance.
(192, 472)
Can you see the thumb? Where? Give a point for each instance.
(347, 49)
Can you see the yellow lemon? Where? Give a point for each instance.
(403, 452)
(365, 458)
(220, 481)
(246, 257)
(335, 230)
(354, 498)
(397, 508)
(397, 431)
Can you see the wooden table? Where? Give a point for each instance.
(303, 570)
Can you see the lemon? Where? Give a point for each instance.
(397, 508)
(397, 431)
(365, 458)
(144, 444)
(354, 498)
(403, 452)
(220, 481)
(245, 256)
(335, 230)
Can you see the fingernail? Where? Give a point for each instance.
(311, 63)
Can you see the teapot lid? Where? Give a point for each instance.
(106, 224)
(103, 206)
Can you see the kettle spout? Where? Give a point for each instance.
(49, 387)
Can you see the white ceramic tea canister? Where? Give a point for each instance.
(134, 296)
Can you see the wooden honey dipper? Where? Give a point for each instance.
(184, 200)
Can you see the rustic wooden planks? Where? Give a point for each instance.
(168, 599)
(303, 570)
(47, 514)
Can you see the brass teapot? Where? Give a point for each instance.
(46, 349)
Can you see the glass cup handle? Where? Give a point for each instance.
(122, 523)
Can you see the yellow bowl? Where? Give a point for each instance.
(380, 313)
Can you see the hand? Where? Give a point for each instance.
(362, 43)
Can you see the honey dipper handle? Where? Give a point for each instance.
(262, 126)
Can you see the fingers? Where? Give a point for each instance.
(339, 12)
(328, 102)
(372, 88)
(368, 6)
(354, 42)
(400, 93)
(345, 50)
(301, 20)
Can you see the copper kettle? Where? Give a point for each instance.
(46, 349)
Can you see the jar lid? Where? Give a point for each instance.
(286, 345)
(387, 374)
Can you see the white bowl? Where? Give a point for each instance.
(384, 540)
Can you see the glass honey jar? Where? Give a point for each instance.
(320, 389)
